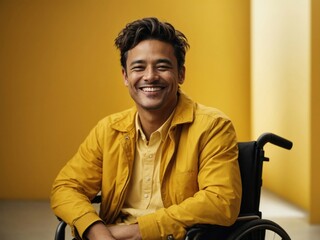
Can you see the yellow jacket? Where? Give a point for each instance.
(199, 173)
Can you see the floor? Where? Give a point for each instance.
(289, 217)
(33, 220)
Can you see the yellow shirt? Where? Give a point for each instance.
(144, 194)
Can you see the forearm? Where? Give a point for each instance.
(125, 232)
(98, 231)
(72, 192)
(73, 206)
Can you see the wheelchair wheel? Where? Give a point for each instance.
(261, 229)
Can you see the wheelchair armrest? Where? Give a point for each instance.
(60, 230)
(207, 231)
(196, 231)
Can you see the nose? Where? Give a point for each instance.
(150, 75)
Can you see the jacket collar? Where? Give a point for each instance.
(184, 113)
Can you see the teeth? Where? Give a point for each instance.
(151, 89)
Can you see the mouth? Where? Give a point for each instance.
(151, 89)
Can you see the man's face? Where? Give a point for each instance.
(152, 75)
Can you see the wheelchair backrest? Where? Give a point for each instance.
(250, 161)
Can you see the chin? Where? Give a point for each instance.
(151, 108)
(154, 106)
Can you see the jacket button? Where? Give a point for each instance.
(170, 237)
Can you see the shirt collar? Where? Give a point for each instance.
(163, 130)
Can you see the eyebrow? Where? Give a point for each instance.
(136, 62)
(164, 60)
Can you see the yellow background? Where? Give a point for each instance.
(60, 74)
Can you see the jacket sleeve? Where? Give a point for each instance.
(77, 183)
(218, 199)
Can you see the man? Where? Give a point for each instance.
(162, 166)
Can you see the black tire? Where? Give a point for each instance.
(253, 226)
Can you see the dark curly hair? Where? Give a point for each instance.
(151, 28)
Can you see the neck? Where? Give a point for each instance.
(151, 120)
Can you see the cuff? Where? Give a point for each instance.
(148, 227)
(85, 221)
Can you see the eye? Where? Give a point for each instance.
(163, 67)
(137, 68)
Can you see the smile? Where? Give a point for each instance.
(150, 89)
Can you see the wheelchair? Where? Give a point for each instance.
(249, 225)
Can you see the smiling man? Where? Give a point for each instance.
(162, 166)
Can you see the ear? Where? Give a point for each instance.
(182, 74)
(125, 77)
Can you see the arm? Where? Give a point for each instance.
(125, 232)
(77, 183)
(217, 201)
(99, 231)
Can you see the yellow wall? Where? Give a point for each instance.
(280, 92)
(285, 95)
(315, 116)
(60, 74)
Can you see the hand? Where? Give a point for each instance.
(98, 231)
(125, 232)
